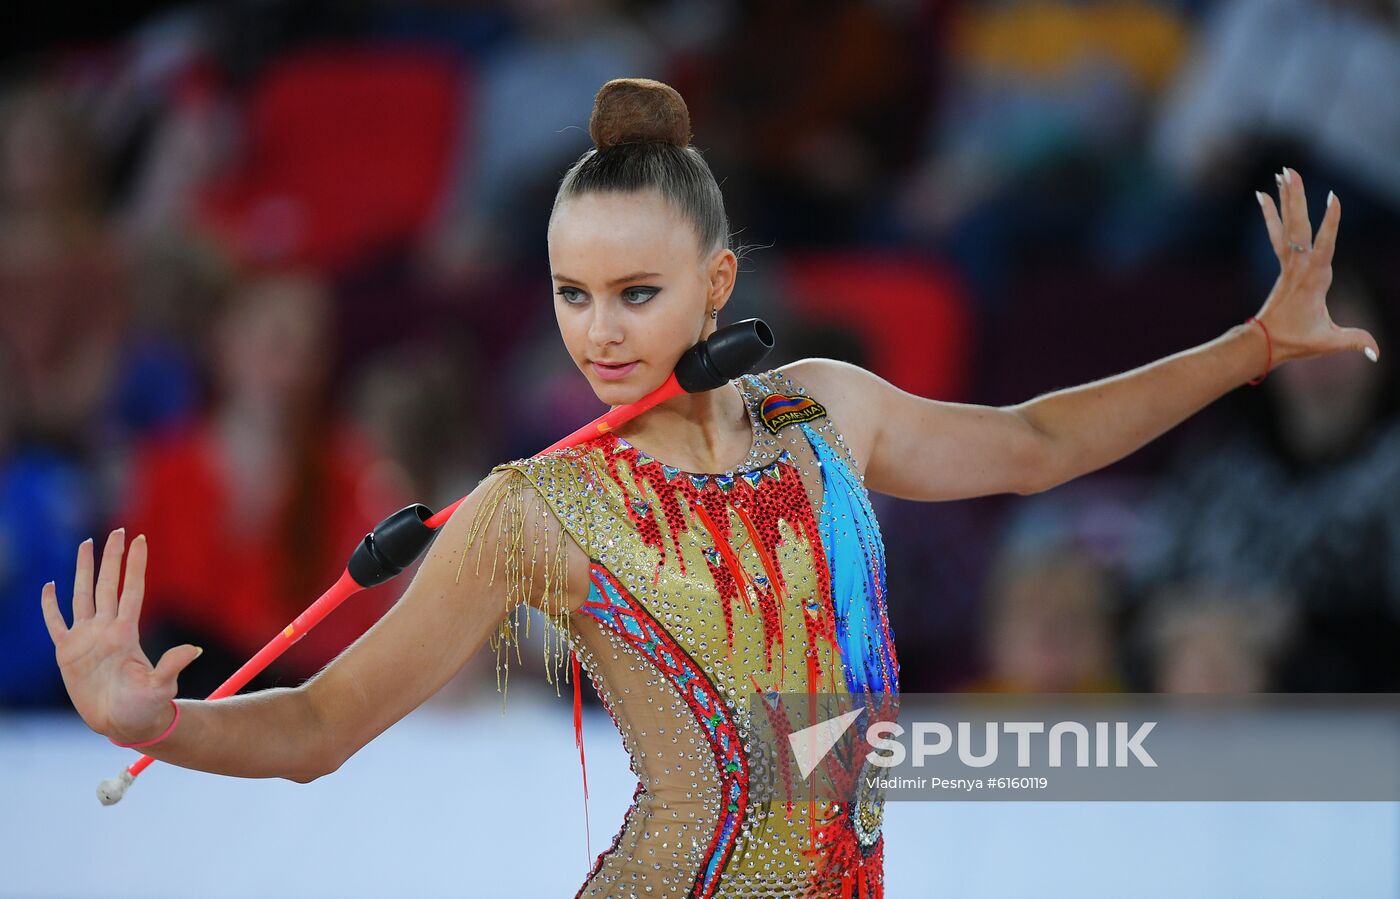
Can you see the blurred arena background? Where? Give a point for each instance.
(271, 270)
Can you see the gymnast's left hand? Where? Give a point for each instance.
(1295, 312)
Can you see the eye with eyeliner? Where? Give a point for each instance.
(646, 292)
(632, 296)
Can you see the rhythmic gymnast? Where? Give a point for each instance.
(719, 544)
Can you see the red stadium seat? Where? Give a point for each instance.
(348, 148)
(912, 314)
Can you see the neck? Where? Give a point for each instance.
(706, 431)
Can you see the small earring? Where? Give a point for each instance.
(714, 313)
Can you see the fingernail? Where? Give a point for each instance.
(1259, 195)
(1370, 354)
(198, 650)
(1330, 195)
(1288, 175)
(1278, 179)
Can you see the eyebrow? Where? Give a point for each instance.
(635, 276)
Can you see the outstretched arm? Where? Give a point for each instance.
(924, 449)
(474, 576)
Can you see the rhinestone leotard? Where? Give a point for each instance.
(704, 588)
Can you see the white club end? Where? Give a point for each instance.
(111, 790)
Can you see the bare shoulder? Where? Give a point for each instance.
(851, 395)
(811, 372)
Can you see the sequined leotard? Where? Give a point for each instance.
(703, 589)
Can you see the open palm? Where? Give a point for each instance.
(1295, 312)
(112, 684)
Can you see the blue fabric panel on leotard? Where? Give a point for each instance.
(856, 558)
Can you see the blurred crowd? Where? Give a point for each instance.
(269, 271)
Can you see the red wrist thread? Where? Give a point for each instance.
(154, 740)
(1269, 342)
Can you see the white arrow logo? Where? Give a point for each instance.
(816, 741)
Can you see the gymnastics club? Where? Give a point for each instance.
(398, 540)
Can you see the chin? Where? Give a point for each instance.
(620, 393)
(615, 394)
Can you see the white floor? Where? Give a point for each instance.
(443, 806)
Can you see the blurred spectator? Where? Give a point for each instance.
(1039, 127)
(1039, 81)
(176, 286)
(61, 273)
(253, 510)
(1302, 71)
(1204, 639)
(1050, 626)
(419, 405)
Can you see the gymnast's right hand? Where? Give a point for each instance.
(109, 679)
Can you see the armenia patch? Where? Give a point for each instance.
(780, 410)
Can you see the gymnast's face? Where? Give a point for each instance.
(632, 288)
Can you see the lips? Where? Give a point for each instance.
(613, 372)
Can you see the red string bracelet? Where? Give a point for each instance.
(173, 722)
(1269, 342)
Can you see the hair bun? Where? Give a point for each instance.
(635, 110)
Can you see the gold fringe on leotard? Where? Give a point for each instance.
(525, 523)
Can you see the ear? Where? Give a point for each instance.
(722, 270)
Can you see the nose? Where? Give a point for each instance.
(604, 326)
